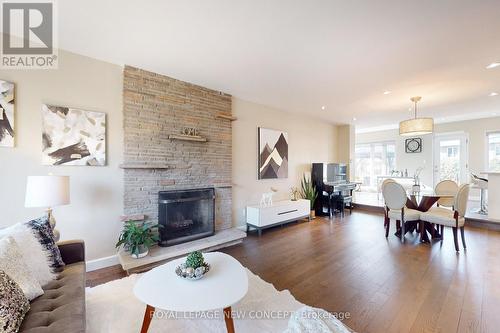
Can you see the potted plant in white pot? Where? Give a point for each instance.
(309, 192)
(137, 238)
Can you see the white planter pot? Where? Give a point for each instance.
(142, 253)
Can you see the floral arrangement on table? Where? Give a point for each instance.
(194, 268)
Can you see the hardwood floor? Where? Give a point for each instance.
(347, 265)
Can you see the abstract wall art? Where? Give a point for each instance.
(6, 114)
(73, 137)
(273, 154)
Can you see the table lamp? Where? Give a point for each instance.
(47, 192)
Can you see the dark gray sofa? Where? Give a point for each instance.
(61, 309)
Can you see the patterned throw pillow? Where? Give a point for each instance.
(13, 264)
(36, 257)
(43, 231)
(13, 305)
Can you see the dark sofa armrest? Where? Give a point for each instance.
(72, 251)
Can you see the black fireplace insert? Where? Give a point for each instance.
(186, 215)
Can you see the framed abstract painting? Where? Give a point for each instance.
(273, 154)
(7, 128)
(73, 137)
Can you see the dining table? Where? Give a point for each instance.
(423, 201)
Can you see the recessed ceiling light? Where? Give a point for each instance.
(493, 65)
(387, 92)
(323, 107)
(493, 94)
(354, 118)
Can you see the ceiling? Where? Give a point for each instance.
(298, 56)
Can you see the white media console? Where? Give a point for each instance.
(280, 212)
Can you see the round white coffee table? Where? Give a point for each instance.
(224, 285)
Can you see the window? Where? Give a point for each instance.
(374, 159)
(449, 159)
(493, 142)
(452, 151)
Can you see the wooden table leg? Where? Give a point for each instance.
(148, 315)
(228, 318)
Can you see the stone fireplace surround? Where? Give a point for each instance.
(156, 107)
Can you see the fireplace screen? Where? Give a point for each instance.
(186, 215)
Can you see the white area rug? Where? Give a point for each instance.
(112, 307)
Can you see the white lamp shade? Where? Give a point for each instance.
(47, 191)
(417, 126)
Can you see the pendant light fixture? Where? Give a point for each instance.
(416, 126)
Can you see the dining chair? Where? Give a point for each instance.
(395, 202)
(451, 218)
(446, 187)
(386, 181)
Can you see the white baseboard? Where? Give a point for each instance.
(95, 264)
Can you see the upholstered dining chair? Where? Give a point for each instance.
(448, 187)
(395, 202)
(451, 218)
(386, 181)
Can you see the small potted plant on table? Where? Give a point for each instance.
(309, 192)
(194, 268)
(137, 238)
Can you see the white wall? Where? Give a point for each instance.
(476, 129)
(310, 141)
(345, 147)
(96, 192)
(403, 160)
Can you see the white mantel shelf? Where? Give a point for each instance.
(225, 116)
(187, 137)
(158, 255)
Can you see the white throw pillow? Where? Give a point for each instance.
(12, 263)
(35, 256)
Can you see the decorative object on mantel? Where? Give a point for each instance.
(137, 238)
(413, 145)
(73, 137)
(188, 134)
(194, 268)
(309, 192)
(273, 154)
(47, 192)
(225, 116)
(416, 126)
(7, 118)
